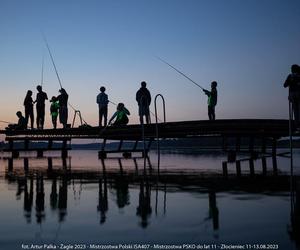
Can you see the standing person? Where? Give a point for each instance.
(102, 100)
(28, 104)
(212, 100)
(143, 98)
(293, 82)
(63, 107)
(120, 115)
(40, 107)
(54, 111)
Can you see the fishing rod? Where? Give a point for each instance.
(42, 74)
(180, 72)
(113, 103)
(52, 60)
(5, 122)
(48, 47)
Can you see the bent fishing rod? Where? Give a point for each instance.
(181, 73)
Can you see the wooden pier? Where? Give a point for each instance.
(253, 129)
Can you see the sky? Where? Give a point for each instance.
(247, 46)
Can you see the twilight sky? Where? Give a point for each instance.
(247, 46)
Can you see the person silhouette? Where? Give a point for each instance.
(103, 200)
(63, 107)
(54, 107)
(144, 208)
(212, 100)
(28, 104)
(121, 115)
(22, 123)
(143, 98)
(40, 200)
(40, 107)
(293, 82)
(102, 100)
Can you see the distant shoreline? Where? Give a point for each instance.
(168, 144)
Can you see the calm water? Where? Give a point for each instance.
(90, 201)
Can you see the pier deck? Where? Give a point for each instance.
(268, 128)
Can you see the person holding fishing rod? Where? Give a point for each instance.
(212, 100)
(21, 125)
(212, 95)
(63, 107)
(40, 107)
(102, 100)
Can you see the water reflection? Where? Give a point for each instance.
(28, 200)
(139, 196)
(294, 229)
(144, 209)
(40, 200)
(62, 198)
(213, 209)
(119, 184)
(103, 199)
(53, 194)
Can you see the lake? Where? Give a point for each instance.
(88, 203)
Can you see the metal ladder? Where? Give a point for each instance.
(156, 124)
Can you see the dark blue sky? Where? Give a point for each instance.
(246, 46)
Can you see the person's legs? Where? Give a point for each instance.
(105, 115)
(31, 118)
(27, 116)
(54, 121)
(42, 119)
(147, 114)
(141, 119)
(209, 113)
(296, 110)
(100, 117)
(213, 114)
(147, 119)
(38, 117)
(141, 113)
(63, 116)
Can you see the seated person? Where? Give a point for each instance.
(120, 115)
(22, 123)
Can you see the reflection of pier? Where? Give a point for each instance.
(251, 166)
(262, 130)
(65, 162)
(37, 144)
(117, 184)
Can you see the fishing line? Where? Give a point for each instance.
(179, 72)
